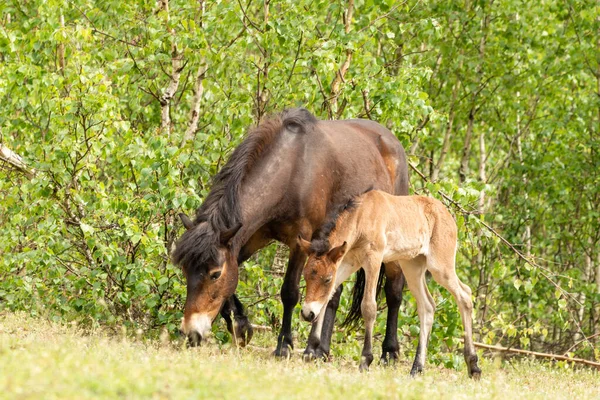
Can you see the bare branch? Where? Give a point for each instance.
(15, 161)
(195, 110)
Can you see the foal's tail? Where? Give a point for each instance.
(355, 314)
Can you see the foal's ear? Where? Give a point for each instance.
(187, 222)
(337, 252)
(304, 245)
(226, 236)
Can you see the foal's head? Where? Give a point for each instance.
(211, 272)
(319, 275)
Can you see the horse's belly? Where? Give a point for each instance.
(403, 247)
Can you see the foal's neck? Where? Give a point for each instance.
(345, 230)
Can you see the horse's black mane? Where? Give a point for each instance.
(221, 208)
(320, 239)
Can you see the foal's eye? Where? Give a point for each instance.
(328, 279)
(215, 275)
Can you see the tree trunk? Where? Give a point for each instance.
(195, 109)
(61, 47)
(341, 73)
(464, 162)
(176, 68)
(448, 132)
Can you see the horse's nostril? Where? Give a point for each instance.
(311, 316)
(194, 339)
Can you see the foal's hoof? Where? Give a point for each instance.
(416, 370)
(476, 376)
(243, 331)
(365, 361)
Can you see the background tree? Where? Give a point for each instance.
(125, 109)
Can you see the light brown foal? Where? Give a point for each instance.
(411, 233)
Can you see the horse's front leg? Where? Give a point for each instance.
(394, 285)
(239, 327)
(290, 296)
(319, 340)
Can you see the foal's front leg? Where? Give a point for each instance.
(319, 343)
(369, 311)
(314, 337)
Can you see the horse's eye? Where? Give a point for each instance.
(328, 279)
(215, 275)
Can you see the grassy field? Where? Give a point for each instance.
(43, 360)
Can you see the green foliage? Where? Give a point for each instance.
(498, 104)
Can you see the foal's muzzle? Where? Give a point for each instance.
(310, 311)
(308, 315)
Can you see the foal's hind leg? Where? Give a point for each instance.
(462, 293)
(414, 271)
(368, 308)
(394, 285)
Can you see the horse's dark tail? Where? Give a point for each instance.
(354, 314)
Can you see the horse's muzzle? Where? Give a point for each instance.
(194, 339)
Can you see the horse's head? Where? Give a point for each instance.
(211, 272)
(319, 275)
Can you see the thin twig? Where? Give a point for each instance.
(537, 354)
(543, 271)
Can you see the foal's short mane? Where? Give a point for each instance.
(320, 239)
(221, 208)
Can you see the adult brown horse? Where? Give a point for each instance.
(278, 183)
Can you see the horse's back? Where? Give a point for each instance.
(366, 138)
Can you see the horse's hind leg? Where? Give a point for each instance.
(394, 285)
(462, 293)
(414, 271)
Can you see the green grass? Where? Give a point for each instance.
(39, 359)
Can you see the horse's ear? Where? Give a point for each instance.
(304, 245)
(187, 222)
(337, 252)
(226, 235)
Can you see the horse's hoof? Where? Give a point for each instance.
(243, 331)
(476, 376)
(284, 352)
(389, 358)
(321, 354)
(308, 357)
